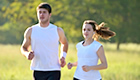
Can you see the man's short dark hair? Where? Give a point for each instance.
(45, 6)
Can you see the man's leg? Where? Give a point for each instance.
(54, 75)
(39, 75)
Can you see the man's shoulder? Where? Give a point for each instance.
(52, 25)
(29, 29)
(35, 25)
(59, 29)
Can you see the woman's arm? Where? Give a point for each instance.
(101, 66)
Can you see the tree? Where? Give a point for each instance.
(122, 16)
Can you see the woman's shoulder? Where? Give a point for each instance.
(79, 43)
(96, 42)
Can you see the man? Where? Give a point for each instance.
(44, 39)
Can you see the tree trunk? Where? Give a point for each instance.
(118, 45)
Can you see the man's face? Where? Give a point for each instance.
(43, 15)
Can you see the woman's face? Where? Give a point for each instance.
(87, 31)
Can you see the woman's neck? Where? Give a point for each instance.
(88, 42)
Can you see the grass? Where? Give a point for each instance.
(122, 65)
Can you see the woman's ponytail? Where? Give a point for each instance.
(101, 31)
(104, 32)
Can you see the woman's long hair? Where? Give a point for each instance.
(100, 30)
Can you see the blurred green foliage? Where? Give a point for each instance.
(122, 16)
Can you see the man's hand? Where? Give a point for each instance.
(30, 55)
(62, 62)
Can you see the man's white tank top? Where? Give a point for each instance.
(87, 56)
(45, 43)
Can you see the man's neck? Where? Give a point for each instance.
(44, 24)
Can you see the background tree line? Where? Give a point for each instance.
(122, 16)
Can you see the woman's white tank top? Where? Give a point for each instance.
(87, 56)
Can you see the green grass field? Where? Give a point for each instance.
(122, 65)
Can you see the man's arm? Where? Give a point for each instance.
(26, 43)
(64, 45)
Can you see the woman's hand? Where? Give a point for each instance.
(69, 65)
(86, 68)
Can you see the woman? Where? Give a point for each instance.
(90, 50)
